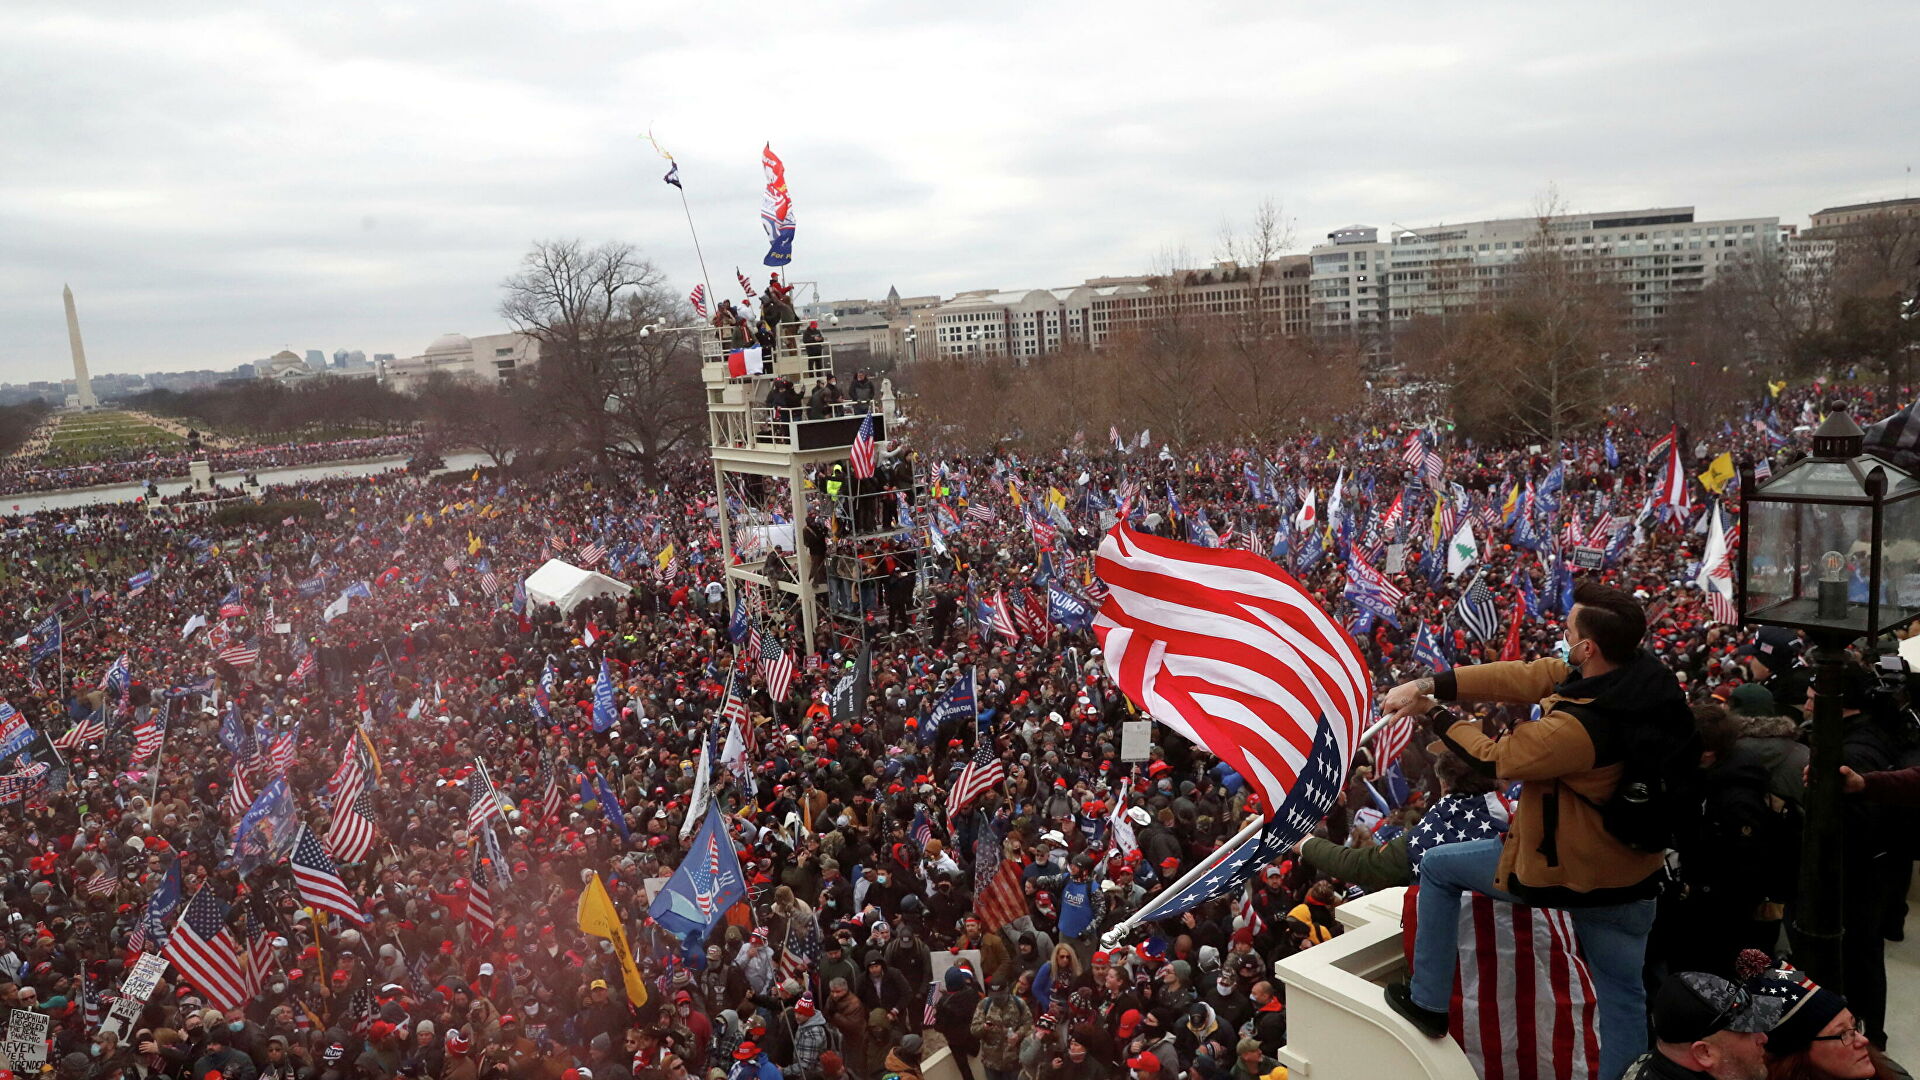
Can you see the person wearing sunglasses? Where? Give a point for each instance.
(1705, 1026)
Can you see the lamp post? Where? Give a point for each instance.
(913, 345)
(1829, 547)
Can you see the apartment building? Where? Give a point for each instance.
(1369, 287)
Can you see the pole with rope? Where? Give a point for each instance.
(673, 177)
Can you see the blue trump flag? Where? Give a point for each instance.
(266, 830)
(48, 634)
(959, 701)
(610, 807)
(604, 712)
(707, 883)
(1068, 609)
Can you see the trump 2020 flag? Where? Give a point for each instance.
(707, 883)
(776, 209)
(604, 712)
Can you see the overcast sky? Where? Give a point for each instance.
(220, 181)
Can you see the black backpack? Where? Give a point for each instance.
(1658, 750)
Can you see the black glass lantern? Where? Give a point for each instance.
(1831, 545)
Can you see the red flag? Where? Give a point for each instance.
(1510, 650)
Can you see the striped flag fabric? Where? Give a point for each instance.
(148, 735)
(350, 778)
(1001, 617)
(1390, 741)
(352, 833)
(258, 956)
(102, 882)
(551, 797)
(239, 796)
(861, 457)
(997, 896)
(1524, 961)
(151, 931)
(318, 879)
(485, 800)
(1476, 611)
(205, 953)
(981, 512)
(1232, 652)
(489, 583)
(305, 668)
(240, 655)
(698, 298)
(982, 771)
(86, 731)
(745, 285)
(591, 554)
(280, 754)
(776, 667)
(480, 896)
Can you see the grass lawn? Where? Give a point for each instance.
(81, 435)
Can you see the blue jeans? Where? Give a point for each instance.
(1613, 939)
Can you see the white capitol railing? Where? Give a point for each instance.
(1338, 1023)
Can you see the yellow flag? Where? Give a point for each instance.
(598, 919)
(1435, 526)
(1014, 491)
(665, 557)
(372, 754)
(1718, 473)
(1332, 452)
(1513, 496)
(1774, 388)
(475, 476)
(473, 544)
(1056, 498)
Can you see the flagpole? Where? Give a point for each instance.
(1206, 866)
(697, 253)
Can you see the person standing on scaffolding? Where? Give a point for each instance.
(778, 308)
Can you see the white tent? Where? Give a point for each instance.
(568, 585)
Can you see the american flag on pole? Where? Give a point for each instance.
(489, 582)
(745, 285)
(1526, 962)
(241, 655)
(698, 298)
(351, 835)
(258, 956)
(484, 804)
(981, 512)
(239, 797)
(776, 667)
(551, 797)
(148, 735)
(480, 895)
(1229, 650)
(981, 773)
(205, 952)
(800, 949)
(350, 778)
(861, 457)
(318, 879)
(305, 669)
(280, 753)
(1001, 617)
(89, 730)
(1390, 741)
(591, 554)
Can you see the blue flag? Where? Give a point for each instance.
(267, 829)
(47, 633)
(707, 883)
(1427, 650)
(1613, 455)
(1068, 608)
(158, 922)
(959, 701)
(604, 712)
(610, 807)
(738, 628)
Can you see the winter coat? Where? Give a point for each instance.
(1000, 1023)
(1370, 868)
(1559, 853)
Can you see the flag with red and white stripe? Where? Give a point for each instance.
(1229, 650)
(1390, 741)
(998, 899)
(1524, 1005)
(352, 833)
(205, 953)
(318, 879)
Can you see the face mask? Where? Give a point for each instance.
(94, 1050)
(1561, 649)
(237, 1025)
(882, 879)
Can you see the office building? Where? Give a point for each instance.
(1369, 287)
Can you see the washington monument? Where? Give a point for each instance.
(82, 384)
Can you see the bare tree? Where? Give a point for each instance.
(618, 394)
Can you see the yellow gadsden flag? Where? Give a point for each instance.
(1718, 473)
(598, 919)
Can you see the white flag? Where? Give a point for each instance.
(1333, 500)
(198, 620)
(1462, 550)
(697, 804)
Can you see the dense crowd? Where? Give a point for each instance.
(137, 464)
(393, 625)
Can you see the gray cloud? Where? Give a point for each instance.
(220, 180)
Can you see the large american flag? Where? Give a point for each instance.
(591, 554)
(205, 952)
(319, 879)
(241, 655)
(258, 956)
(861, 457)
(1524, 961)
(485, 802)
(305, 669)
(351, 835)
(1229, 650)
(551, 797)
(350, 778)
(239, 797)
(86, 731)
(997, 897)
(280, 753)
(480, 919)
(149, 734)
(981, 773)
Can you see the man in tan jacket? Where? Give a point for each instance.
(1559, 853)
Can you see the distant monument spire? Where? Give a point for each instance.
(82, 384)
